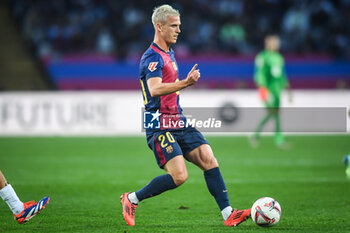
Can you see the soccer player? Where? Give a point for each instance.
(22, 212)
(270, 78)
(171, 146)
(347, 165)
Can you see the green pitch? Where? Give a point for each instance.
(85, 177)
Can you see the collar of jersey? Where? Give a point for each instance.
(155, 45)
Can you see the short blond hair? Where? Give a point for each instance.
(161, 13)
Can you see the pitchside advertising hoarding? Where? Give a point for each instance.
(69, 113)
(122, 113)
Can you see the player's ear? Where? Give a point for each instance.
(159, 27)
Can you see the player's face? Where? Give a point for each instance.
(273, 43)
(171, 29)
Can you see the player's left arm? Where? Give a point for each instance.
(158, 88)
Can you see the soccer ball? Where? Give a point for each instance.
(266, 211)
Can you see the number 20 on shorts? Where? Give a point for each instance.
(162, 139)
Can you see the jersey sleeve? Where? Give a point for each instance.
(153, 66)
(259, 75)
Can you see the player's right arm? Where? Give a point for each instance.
(259, 74)
(158, 88)
(260, 77)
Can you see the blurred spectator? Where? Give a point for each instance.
(295, 27)
(124, 27)
(104, 42)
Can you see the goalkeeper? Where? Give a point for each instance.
(270, 78)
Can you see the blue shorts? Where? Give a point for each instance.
(167, 144)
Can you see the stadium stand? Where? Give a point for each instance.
(19, 71)
(90, 44)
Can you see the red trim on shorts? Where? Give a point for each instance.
(160, 152)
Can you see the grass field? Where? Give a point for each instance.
(85, 177)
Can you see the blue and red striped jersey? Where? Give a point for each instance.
(155, 62)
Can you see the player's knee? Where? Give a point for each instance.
(180, 178)
(212, 163)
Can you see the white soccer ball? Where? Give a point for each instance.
(266, 211)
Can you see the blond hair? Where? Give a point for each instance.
(161, 13)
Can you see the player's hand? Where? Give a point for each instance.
(263, 93)
(193, 75)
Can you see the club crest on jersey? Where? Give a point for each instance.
(152, 66)
(175, 66)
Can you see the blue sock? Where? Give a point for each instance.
(156, 186)
(217, 187)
